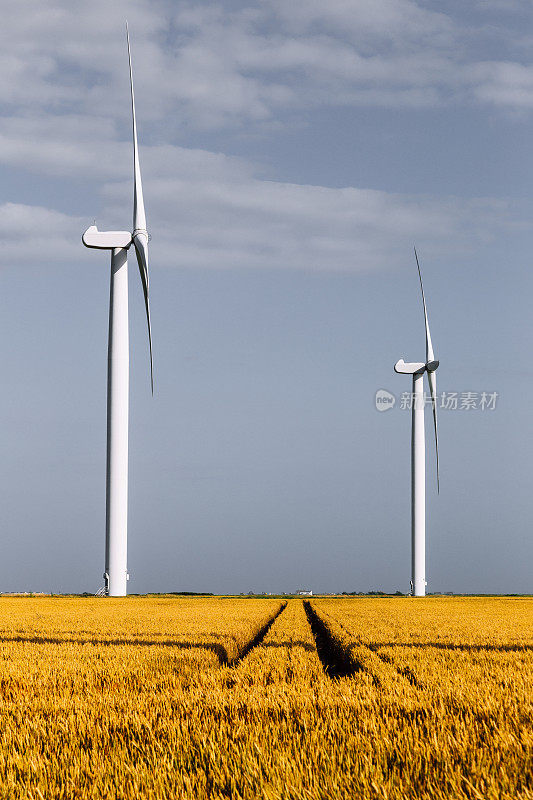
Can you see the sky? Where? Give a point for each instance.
(292, 155)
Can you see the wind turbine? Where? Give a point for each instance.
(418, 451)
(116, 541)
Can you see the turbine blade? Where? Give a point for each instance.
(430, 356)
(139, 217)
(140, 240)
(432, 379)
(140, 234)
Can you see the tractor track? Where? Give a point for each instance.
(333, 657)
(257, 639)
(339, 661)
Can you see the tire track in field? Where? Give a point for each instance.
(257, 639)
(333, 657)
(405, 672)
(342, 657)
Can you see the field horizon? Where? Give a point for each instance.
(274, 595)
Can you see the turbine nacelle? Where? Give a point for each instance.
(409, 368)
(415, 367)
(106, 240)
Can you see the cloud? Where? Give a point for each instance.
(503, 84)
(213, 65)
(253, 223)
(65, 145)
(394, 21)
(216, 65)
(264, 62)
(30, 233)
(211, 211)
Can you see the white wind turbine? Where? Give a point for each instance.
(116, 544)
(418, 452)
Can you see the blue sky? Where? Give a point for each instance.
(292, 154)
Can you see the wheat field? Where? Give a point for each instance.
(162, 697)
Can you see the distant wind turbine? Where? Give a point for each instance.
(418, 452)
(116, 569)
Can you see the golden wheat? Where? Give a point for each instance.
(136, 698)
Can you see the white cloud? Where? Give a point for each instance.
(64, 145)
(211, 65)
(504, 84)
(67, 115)
(211, 211)
(395, 21)
(30, 233)
(254, 223)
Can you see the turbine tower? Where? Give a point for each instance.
(418, 452)
(118, 242)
